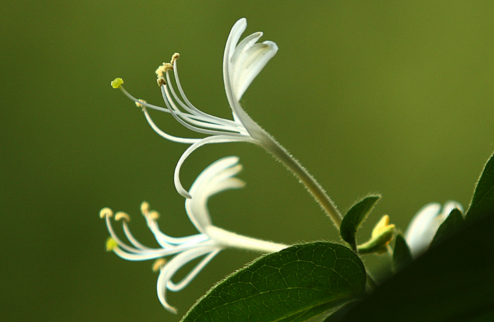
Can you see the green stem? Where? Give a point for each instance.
(310, 183)
(269, 143)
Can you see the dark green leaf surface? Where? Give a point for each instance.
(453, 281)
(294, 284)
(483, 197)
(452, 224)
(402, 256)
(354, 218)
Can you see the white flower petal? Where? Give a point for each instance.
(250, 65)
(235, 34)
(425, 224)
(211, 139)
(242, 63)
(230, 183)
(206, 185)
(173, 266)
(242, 47)
(192, 274)
(212, 171)
(448, 207)
(421, 230)
(166, 241)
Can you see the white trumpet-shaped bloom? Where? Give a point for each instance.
(242, 62)
(210, 240)
(425, 223)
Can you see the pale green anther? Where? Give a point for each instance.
(117, 82)
(111, 244)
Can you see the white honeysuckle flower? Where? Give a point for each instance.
(425, 223)
(218, 177)
(242, 62)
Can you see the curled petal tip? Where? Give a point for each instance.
(240, 22)
(171, 309)
(244, 61)
(233, 159)
(184, 193)
(176, 177)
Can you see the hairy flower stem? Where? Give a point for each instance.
(310, 183)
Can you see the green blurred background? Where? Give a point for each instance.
(383, 96)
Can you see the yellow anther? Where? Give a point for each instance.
(160, 71)
(158, 264)
(175, 57)
(105, 212)
(167, 67)
(153, 215)
(111, 244)
(145, 208)
(139, 104)
(116, 83)
(122, 215)
(161, 81)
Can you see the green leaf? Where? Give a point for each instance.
(453, 281)
(294, 284)
(452, 224)
(402, 256)
(318, 313)
(354, 218)
(483, 197)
